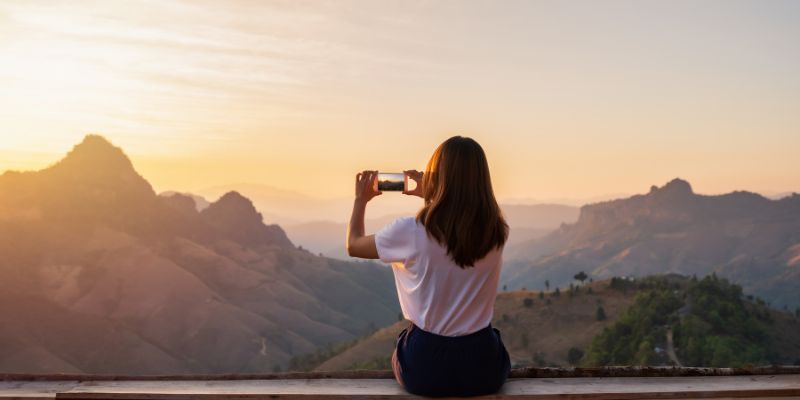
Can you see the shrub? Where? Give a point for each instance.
(600, 314)
(574, 355)
(527, 302)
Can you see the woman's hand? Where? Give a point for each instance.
(365, 186)
(415, 176)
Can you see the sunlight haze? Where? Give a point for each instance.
(568, 102)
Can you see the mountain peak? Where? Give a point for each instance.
(678, 184)
(95, 165)
(233, 204)
(237, 217)
(96, 151)
(673, 189)
(94, 139)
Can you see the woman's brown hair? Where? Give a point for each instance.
(460, 209)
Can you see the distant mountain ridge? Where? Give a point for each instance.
(742, 236)
(527, 221)
(101, 275)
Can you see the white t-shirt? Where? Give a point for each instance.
(435, 293)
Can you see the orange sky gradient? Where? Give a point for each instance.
(571, 100)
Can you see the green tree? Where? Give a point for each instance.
(547, 284)
(574, 355)
(621, 342)
(600, 314)
(644, 354)
(527, 302)
(557, 293)
(580, 276)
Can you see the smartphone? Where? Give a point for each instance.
(391, 182)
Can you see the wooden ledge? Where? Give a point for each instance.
(605, 388)
(531, 372)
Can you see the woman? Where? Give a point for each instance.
(446, 263)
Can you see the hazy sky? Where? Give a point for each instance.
(570, 99)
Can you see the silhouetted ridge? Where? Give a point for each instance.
(200, 203)
(181, 203)
(236, 217)
(233, 205)
(677, 187)
(95, 183)
(742, 236)
(97, 163)
(96, 151)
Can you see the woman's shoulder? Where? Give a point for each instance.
(400, 224)
(405, 222)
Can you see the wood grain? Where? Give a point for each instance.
(624, 388)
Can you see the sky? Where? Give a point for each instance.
(570, 99)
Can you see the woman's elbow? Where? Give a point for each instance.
(363, 247)
(352, 247)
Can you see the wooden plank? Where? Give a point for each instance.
(764, 386)
(34, 390)
(523, 372)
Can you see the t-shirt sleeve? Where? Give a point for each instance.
(395, 241)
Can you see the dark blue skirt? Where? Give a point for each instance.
(428, 364)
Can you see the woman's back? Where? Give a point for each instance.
(436, 294)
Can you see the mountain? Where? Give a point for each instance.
(328, 237)
(236, 218)
(745, 237)
(545, 329)
(101, 275)
(288, 207)
(527, 221)
(532, 221)
(200, 202)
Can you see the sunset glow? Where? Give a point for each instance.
(569, 102)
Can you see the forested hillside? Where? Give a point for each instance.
(706, 322)
(620, 321)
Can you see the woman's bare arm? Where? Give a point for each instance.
(358, 244)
